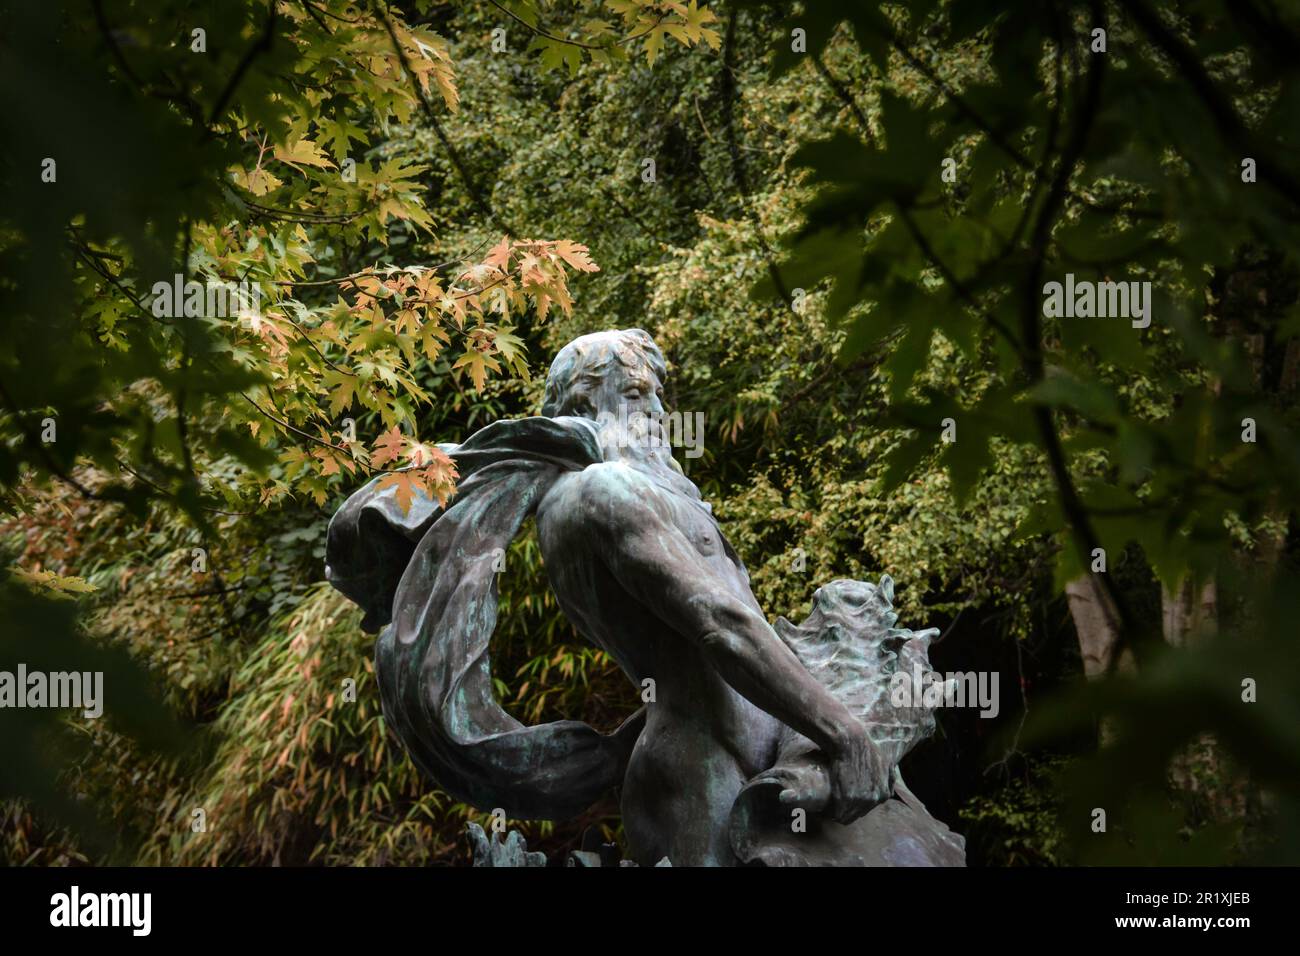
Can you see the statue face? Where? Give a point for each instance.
(635, 390)
(627, 402)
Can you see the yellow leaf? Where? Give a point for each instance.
(260, 182)
(477, 365)
(304, 152)
(404, 485)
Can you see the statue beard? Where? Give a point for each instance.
(641, 441)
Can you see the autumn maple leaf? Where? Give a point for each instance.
(498, 256)
(404, 484)
(435, 480)
(440, 475)
(477, 365)
(576, 255)
(388, 447)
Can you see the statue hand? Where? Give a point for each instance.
(804, 784)
(859, 775)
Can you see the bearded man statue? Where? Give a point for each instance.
(764, 744)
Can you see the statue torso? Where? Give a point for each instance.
(696, 720)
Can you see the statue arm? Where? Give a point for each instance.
(659, 565)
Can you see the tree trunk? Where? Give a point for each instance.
(1094, 623)
(1094, 618)
(1190, 614)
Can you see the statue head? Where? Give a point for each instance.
(595, 374)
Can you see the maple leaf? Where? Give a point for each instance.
(295, 457)
(304, 152)
(379, 368)
(260, 182)
(654, 42)
(428, 286)
(50, 582)
(328, 461)
(271, 492)
(455, 306)
(343, 390)
(557, 54)
(695, 20)
(269, 331)
(543, 305)
(512, 349)
(419, 453)
(337, 132)
(406, 321)
(534, 276)
(388, 447)
(498, 256)
(431, 334)
(477, 364)
(405, 485)
(329, 330)
(576, 255)
(440, 475)
(432, 59)
(370, 284)
(597, 29)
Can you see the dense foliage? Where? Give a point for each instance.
(825, 294)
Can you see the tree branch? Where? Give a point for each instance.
(1230, 125)
(262, 44)
(454, 156)
(1072, 504)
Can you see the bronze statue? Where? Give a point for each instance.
(761, 745)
